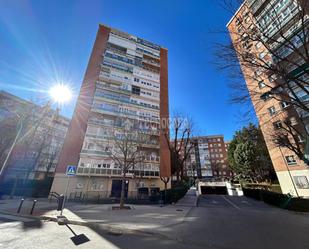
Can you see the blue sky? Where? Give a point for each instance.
(43, 42)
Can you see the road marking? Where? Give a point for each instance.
(246, 203)
(233, 204)
(214, 202)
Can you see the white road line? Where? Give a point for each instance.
(246, 203)
(233, 204)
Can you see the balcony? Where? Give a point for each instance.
(96, 121)
(115, 172)
(256, 5)
(118, 89)
(123, 99)
(94, 152)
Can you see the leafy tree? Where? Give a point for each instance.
(248, 155)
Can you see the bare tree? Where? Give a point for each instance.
(178, 140)
(125, 148)
(49, 148)
(8, 126)
(274, 64)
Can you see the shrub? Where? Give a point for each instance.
(279, 200)
(175, 193)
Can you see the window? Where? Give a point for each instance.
(301, 139)
(266, 96)
(261, 84)
(284, 104)
(258, 45)
(90, 146)
(257, 73)
(277, 125)
(301, 181)
(293, 121)
(302, 95)
(290, 160)
(271, 110)
(262, 55)
(136, 90)
(272, 78)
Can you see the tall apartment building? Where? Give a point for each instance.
(279, 25)
(208, 158)
(37, 150)
(126, 77)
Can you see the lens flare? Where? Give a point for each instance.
(60, 93)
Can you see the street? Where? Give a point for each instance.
(219, 222)
(225, 222)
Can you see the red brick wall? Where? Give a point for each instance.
(75, 136)
(165, 164)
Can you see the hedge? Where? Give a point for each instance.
(279, 200)
(175, 193)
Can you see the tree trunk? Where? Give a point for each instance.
(177, 175)
(181, 172)
(123, 185)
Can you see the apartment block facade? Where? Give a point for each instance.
(279, 25)
(37, 150)
(208, 158)
(126, 80)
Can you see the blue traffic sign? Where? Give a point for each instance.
(71, 170)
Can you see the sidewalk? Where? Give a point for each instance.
(140, 219)
(190, 199)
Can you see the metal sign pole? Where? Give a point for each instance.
(65, 194)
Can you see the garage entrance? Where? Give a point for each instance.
(213, 190)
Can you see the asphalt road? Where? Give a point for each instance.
(225, 222)
(219, 222)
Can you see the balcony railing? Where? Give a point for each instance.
(115, 172)
(94, 152)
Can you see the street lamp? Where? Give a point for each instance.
(60, 94)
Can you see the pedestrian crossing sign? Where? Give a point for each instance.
(71, 170)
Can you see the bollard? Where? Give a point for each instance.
(20, 205)
(33, 205)
(60, 202)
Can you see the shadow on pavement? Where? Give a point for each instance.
(32, 224)
(78, 239)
